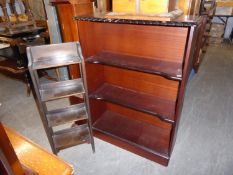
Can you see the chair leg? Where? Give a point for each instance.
(27, 83)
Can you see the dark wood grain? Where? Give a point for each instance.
(188, 65)
(136, 115)
(153, 157)
(159, 107)
(143, 82)
(128, 69)
(148, 137)
(68, 26)
(166, 43)
(170, 70)
(69, 29)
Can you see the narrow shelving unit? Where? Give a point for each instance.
(70, 133)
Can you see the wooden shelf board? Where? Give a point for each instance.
(170, 70)
(50, 62)
(65, 115)
(61, 89)
(134, 132)
(162, 108)
(72, 136)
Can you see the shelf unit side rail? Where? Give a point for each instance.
(41, 106)
(86, 98)
(188, 61)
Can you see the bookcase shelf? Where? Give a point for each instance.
(170, 70)
(140, 134)
(159, 107)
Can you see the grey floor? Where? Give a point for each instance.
(205, 139)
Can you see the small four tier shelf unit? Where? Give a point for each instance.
(136, 75)
(53, 56)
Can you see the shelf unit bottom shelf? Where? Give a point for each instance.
(133, 135)
(71, 137)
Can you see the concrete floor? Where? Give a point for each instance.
(205, 139)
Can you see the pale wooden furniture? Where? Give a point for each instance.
(21, 152)
(143, 6)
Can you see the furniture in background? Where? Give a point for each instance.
(206, 10)
(13, 60)
(143, 6)
(9, 67)
(14, 19)
(224, 18)
(53, 56)
(66, 11)
(20, 156)
(19, 30)
(137, 72)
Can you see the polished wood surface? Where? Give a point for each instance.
(128, 83)
(167, 69)
(107, 129)
(147, 41)
(8, 151)
(130, 147)
(35, 157)
(137, 133)
(164, 109)
(188, 66)
(142, 82)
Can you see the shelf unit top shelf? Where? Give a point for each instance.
(61, 89)
(123, 128)
(55, 61)
(161, 108)
(64, 115)
(169, 70)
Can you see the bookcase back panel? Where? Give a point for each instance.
(95, 76)
(152, 42)
(140, 116)
(142, 82)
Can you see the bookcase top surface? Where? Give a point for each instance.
(181, 21)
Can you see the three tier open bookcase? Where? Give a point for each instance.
(136, 78)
